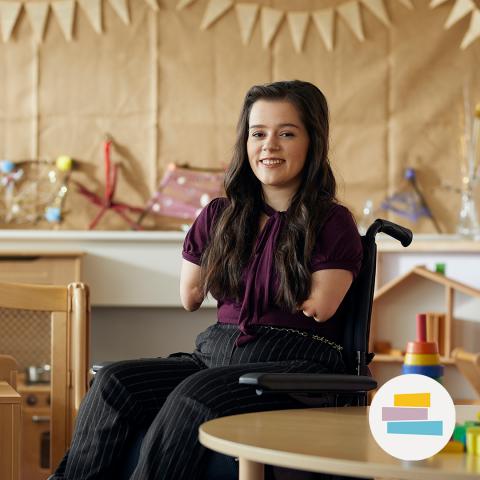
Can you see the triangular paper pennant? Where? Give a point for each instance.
(350, 12)
(64, 10)
(270, 20)
(9, 12)
(407, 3)
(215, 9)
(246, 16)
(153, 4)
(323, 20)
(459, 10)
(436, 3)
(298, 23)
(121, 9)
(184, 3)
(37, 14)
(93, 10)
(473, 31)
(378, 9)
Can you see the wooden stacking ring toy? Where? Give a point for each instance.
(433, 371)
(422, 347)
(422, 359)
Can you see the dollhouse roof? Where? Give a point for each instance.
(421, 271)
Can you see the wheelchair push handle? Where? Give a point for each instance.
(402, 234)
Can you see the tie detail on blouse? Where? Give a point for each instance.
(258, 281)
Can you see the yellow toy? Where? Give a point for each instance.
(64, 163)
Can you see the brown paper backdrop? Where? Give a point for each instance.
(168, 92)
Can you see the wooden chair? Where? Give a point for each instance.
(10, 404)
(70, 320)
(8, 370)
(469, 365)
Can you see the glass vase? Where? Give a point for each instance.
(468, 225)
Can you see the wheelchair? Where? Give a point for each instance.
(347, 389)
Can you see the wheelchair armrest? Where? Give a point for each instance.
(308, 382)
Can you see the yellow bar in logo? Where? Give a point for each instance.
(411, 400)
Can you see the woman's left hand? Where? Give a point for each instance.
(327, 292)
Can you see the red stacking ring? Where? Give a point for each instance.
(422, 347)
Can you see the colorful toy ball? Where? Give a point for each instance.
(53, 214)
(6, 166)
(64, 163)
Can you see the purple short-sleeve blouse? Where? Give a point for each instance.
(338, 246)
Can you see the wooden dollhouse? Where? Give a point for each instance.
(396, 302)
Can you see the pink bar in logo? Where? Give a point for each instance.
(404, 413)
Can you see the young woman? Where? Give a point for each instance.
(279, 254)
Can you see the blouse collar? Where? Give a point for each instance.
(270, 211)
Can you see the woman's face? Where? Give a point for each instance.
(277, 144)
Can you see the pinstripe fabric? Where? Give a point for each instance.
(175, 395)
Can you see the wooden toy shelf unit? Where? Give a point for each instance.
(417, 289)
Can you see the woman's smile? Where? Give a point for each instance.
(272, 162)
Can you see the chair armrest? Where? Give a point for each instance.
(308, 382)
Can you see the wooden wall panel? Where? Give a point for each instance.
(169, 92)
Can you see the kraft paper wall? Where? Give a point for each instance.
(167, 91)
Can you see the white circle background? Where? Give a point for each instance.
(412, 447)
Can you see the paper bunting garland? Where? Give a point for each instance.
(8, 18)
(215, 9)
(184, 3)
(93, 10)
(64, 10)
(37, 14)
(473, 31)
(121, 9)
(271, 19)
(324, 21)
(378, 9)
(298, 23)
(461, 9)
(350, 12)
(407, 3)
(436, 3)
(153, 4)
(246, 16)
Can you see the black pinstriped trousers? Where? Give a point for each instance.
(175, 395)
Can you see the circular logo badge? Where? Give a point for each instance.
(412, 417)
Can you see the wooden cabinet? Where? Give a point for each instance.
(35, 449)
(40, 267)
(9, 432)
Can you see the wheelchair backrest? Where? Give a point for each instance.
(356, 308)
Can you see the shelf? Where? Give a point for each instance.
(386, 358)
(421, 242)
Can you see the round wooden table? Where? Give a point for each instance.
(328, 440)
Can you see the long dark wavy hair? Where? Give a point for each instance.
(236, 229)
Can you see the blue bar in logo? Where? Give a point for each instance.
(416, 428)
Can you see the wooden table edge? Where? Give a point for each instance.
(265, 456)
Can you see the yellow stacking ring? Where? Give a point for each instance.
(422, 359)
